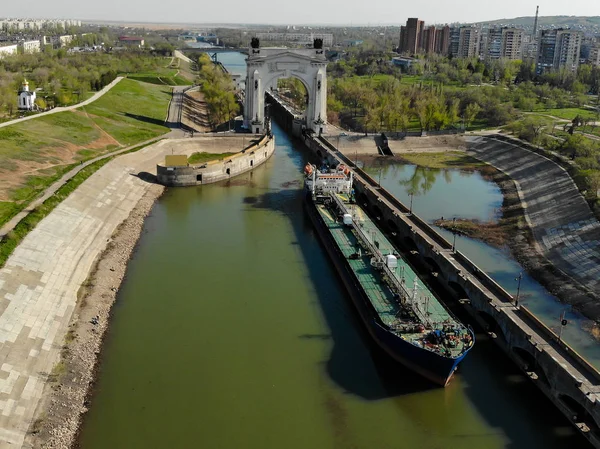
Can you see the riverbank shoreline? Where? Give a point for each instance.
(66, 394)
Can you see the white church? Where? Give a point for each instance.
(26, 98)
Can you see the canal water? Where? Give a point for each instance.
(232, 330)
(448, 193)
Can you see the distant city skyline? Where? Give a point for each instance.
(307, 12)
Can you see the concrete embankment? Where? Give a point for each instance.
(40, 282)
(566, 232)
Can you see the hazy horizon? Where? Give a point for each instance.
(334, 12)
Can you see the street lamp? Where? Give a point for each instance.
(454, 234)
(518, 279)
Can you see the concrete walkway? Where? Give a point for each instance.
(66, 108)
(562, 223)
(39, 283)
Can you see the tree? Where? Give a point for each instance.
(471, 112)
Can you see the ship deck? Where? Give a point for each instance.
(379, 294)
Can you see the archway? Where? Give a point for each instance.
(266, 65)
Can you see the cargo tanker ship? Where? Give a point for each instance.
(402, 315)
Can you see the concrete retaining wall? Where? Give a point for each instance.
(242, 162)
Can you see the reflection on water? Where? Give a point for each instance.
(465, 194)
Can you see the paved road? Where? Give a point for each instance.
(175, 107)
(39, 283)
(66, 108)
(562, 223)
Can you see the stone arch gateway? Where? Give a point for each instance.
(266, 65)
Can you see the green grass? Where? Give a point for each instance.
(570, 113)
(448, 159)
(132, 111)
(35, 184)
(8, 210)
(197, 158)
(53, 139)
(161, 76)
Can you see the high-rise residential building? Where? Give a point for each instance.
(468, 44)
(512, 43)
(442, 40)
(493, 47)
(411, 36)
(557, 49)
(454, 41)
(428, 41)
(595, 55)
(503, 43)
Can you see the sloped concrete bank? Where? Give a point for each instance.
(564, 254)
(63, 407)
(39, 303)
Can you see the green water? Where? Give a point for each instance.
(231, 330)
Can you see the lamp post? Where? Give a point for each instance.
(518, 279)
(454, 234)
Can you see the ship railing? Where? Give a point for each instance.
(396, 285)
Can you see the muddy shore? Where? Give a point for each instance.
(67, 392)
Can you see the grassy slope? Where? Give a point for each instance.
(133, 112)
(40, 140)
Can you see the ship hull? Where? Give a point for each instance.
(434, 367)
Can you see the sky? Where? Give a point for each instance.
(348, 12)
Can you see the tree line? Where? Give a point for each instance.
(64, 78)
(218, 92)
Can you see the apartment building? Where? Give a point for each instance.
(557, 49)
(503, 43)
(411, 36)
(30, 46)
(469, 41)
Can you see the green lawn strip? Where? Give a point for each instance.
(14, 237)
(197, 158)
(8, 209)
(447, 159)
(570, 113)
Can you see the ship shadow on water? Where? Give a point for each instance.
(356, 364)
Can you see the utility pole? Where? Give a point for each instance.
(518, 279)
(563, 323)
(454, 234)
